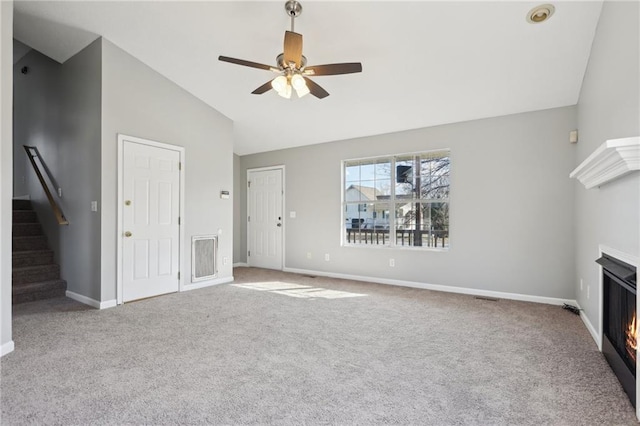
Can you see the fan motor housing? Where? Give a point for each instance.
(293, 8)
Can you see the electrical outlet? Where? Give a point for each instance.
(94, 206)
(326, 257)
(588, 288)
(60, 192)
(392, 263)
(308, 255)
(225, 260)
(581, 284)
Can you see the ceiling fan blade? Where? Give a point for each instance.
(292, 48)
(315, 89)
(245, 63)
(334, 69)
(262, 89)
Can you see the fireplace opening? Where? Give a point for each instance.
(620, 326)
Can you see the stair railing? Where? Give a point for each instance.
(32, 153)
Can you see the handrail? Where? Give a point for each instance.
(57, 211)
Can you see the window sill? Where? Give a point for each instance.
(389, 247)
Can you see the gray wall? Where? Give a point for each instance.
(6, 148)
(78, 170)
(57, 109)
(37, 112)
(608, 109)
(137, 101)
(237, 221)
(511, 205)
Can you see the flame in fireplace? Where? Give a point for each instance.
(632, 338)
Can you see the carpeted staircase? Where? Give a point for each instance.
(35, 275)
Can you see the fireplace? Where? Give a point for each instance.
(619, 324)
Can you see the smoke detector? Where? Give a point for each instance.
(540, 13)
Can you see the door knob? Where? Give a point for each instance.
(127, 203)
(279, 225)
(128, 234)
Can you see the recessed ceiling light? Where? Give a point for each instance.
(540, 13)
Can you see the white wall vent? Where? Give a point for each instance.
(204, 257)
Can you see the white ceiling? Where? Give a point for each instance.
(424, 63)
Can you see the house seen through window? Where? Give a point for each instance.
(401, 200)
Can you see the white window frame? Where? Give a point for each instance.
(392, 203)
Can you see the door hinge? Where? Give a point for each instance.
(179, 165)
(249, 184)
(178, 274)
(249, 253)
(178, 220)
(248, 218)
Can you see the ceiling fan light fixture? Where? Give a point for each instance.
(279, 83)
(286, 92)
(302, 91)
(297, 81)
(292, 65)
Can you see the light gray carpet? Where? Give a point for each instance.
(229, 355)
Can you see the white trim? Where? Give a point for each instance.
(7, 348)
(592, 330)
(241, 265)
(22, 197)
(89, 301)
(181, 151)
(280, 167)
(209, 283)
(438, 287)
(611, 160)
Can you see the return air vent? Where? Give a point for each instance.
(204, 257)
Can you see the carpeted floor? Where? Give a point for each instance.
(233, 355)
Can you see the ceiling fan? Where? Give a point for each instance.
(292, 65)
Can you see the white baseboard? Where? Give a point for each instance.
(22, 197)
(241, 265)
(592, 330)
(108, 304)
(208, 283)
(7, 348)
(89, 301)
(438, 287)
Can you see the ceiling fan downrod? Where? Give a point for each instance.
(293, 9)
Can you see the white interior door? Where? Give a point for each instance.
(264, 221)
(150, 221)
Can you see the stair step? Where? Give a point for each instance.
(27, 229)
(32, 274)
(30, 243)
(22, 205)
(32, 258)
(24, 216)
(39, 290)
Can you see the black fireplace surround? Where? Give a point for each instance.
(619, 321)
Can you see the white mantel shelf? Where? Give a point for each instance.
(612, 160)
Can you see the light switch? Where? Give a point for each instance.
(292, 215)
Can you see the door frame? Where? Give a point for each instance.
(284, 216)
(119, 228)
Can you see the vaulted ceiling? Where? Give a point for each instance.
(424, 63)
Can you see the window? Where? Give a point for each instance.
(401, 200)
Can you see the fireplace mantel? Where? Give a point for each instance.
(610, 161)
